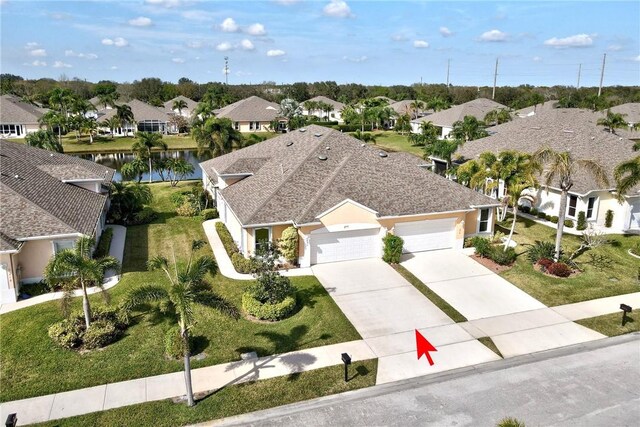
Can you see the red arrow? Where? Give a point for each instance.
(424, 347)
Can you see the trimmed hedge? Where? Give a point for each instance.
(102, 248)
(553, 219)
(541, 215)
(534, 211)
(242, 264)
(582, 221)
(502, 257)
(106, 327)
(608, 219)
(568, 223)
(268, 311)
(482, 245)
(227, 240)
(208, 214)
(289, 244)
(392, 248)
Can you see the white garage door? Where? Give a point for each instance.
(426, 235)
(345, 245)
(635, 216)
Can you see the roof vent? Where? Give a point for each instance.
(51, 155)
(536, 127)
(289, 144)
(302, 130)
(382, 154)
(593, 137)
(327, 148)
(322, 157)
(567, 131)
(317, 135)
(16, 176)
(363, 144)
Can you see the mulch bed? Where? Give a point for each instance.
(488, 263)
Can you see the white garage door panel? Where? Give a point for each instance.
(635, 216)
(426, 235)
(345, 245)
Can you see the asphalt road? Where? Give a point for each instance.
(593, 384)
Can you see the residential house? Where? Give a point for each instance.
(18, 118)
(335, 114)
(408, 107)
(252, 114)
(534, 109)
(147, 118)
(185, 112)
(48, 201)
(386, 99)
(631, 113)
(445, 119)
(573, 130)
(342, 196)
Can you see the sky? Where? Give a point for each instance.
(286, 41)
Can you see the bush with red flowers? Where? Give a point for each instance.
(559, 269)
(545, 263)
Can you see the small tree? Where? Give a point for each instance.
(289, 244)
(392, 248)
(44, 139)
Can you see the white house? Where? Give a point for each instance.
(186, 112)
(252, 114)
(335, 114)
(147, 118)
(18, 118)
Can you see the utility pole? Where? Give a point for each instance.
(579, 70)
(448, 66)
(226, 70)
(495, 78)
(604, 59)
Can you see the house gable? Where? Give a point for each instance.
(347, 212)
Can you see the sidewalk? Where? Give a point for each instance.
(160, 387)
(111, 279)
(225, 267)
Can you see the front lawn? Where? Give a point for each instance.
(31, 365)
(611, 324)
(621, 277)
(393, 141)
(102, 144)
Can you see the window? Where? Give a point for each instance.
(262, 237)
(483, 226)
(236, 125)
(61, 245)
(250, 125)
(573, 201)
(257, 125)
(590, 204)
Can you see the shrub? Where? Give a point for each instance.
(482, 245)
(266, 311)
(102, 248)
(510, 422)
(540, 250)
(346, 128)
(242, 264)
(270, 287)
(525, 209)
(545, 262)
(178, 198)
(289, 244)
(144, 216)
(554, 219)
(608, 218)
(35, 289)
(547, 217)
(227, 239)
(108, 324)
(67, 333)
(392, 248)
(568, 223)
(559, 269)
(502, 257)
(208, 214)
(174, 344)
(186, 209)
(582, 221)
(534, 212)
(99, 334)
(541, 215)
(497, 237)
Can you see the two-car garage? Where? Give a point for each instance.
(427, 235)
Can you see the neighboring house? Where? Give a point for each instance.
(574, 130)
(252, 114)
(385, 98)
(342, 196)
(631, 113)
(335, 114)
(406, 107)
(18, 118)
(48, 201)
(535, 109)
(186, 112)
(445, 119)
(147, 118)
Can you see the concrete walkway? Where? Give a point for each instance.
(225, 266)
(598, 307)
(115, 395)
(116, 250)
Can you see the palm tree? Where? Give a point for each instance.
(365, 136)
(497, 116)
(403, 124)
(108, 99)
(438, 104)
(179, 104)
(416, 108)
(468, 129)
(133, 170)
(613, 121)
(44, 139)
(328, 108)
(125, 115)
(442, 149)
(54, 120)
(217, 135)
(60, 99)
(112, 123)
(560, 167)
(186, 288)
(627, 174)
(145, 142)
(89, 125)
(73, 268)
(178, 169)
(310, 106)
(127, 199)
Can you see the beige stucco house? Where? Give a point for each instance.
(335, 114)
(252, 114)
(48, 200)
(147, 118)
(18, 118)
(342, 196)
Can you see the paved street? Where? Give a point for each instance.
(591, 384)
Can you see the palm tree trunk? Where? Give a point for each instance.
(561, 215)
(150, 170)
(513, 226)
(187, 368)
(85, 306)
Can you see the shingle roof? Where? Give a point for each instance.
(191, 104)
(386, 98)
(477, 108)
(630, 111)
(35, 202)
(404, 107)
(141, 111)
(7, 244)
(293, 184)
(562, 129)
(535, 109)
(15, 111)
(253, 108)
(337, 106)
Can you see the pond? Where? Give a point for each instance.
(116, 160)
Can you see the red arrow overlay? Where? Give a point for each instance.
(424, 347)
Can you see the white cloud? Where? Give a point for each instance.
(118, 42)
(357, 59)
(38, 52)
(578, 40)
(637, 58)
(165, 3)
(59, 16)
(256, 29)
(224, 46)
(420, 44)
(398, 37)
(493, 36)
(60, 64)
(536, 59)
(247, 45)
(31, 45)
(337, 9)
(229, 26)
(113, 67)
(73, 54)
(614, 47)
(194, 44)
(276, 52)
(178, 60)
(287, 2)
(141, 21)
(445, 32)
(38, 63)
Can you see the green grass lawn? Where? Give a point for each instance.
(620, 278)
(31, 365)
(234, 400)
(393, 141)
(611, 324)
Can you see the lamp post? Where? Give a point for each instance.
(346, 359)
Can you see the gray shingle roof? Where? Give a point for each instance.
(534, 109)
(562, 129)
(386, 98)
(8, 244)
(253, 108)
(630, 111)
(35, 202)
(15, 111)
(477, 108)
(141, 111)
(293, 184)
(191, 104)
(337, 106)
